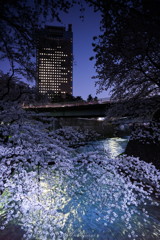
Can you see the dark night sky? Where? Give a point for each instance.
(83, 32)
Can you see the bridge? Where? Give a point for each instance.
(147, 108)
(81, 109)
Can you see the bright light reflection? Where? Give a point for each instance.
(115, 146)
(100, 118)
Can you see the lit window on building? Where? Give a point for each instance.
(54, 60)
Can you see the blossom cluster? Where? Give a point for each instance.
(148, 133)
(49, 189)
(75, 137)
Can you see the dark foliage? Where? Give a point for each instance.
(128, 51)
(19, 21)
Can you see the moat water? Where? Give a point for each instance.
(78, 214)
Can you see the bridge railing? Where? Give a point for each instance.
(67, 104)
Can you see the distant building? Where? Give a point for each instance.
(54, 60)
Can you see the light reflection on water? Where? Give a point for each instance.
(112, 146)
(81, 212)
(115, 146)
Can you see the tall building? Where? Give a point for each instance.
(54, 60)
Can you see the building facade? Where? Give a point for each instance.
(55, 61)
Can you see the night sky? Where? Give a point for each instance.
(83, 33)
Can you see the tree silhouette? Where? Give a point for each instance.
(19, 21)
(90, 98)
(128, 51)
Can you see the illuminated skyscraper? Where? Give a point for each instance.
(54, 60)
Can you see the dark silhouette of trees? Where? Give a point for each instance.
(14, 90)
(79, 99)
(128, 51)
(66, 98)
(89, 98)
(19, 21)
(95, 99)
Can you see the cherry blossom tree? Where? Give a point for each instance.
(19, 21)
(44, 181)
(126, 53)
